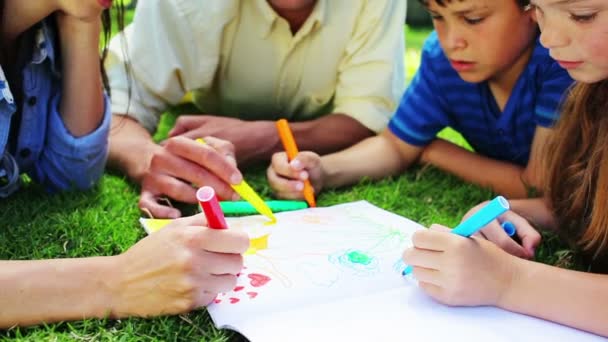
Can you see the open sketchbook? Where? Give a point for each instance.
(335, 274)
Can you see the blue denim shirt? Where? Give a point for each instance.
(45, 149)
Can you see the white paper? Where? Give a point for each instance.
(335, 274)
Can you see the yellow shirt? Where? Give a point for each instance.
(239, 58)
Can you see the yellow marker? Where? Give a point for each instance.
(249, 195)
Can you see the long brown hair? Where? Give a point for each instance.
(577, 166)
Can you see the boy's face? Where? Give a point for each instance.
(576, 32)
(483, 39)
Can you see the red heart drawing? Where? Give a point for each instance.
(258, 280)
(252, 294)
(234, 300)
(217, 301)
(238, 288)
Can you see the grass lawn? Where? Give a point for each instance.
(103, 221)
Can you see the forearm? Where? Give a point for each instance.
(374, 157)
(82, 104)
(32, 292)
(331, 133)
(502, 177)
(131, 147)
(572, 298)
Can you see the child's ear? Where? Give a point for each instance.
(531, 10)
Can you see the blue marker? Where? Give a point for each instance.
(509, 228)
(475, 222)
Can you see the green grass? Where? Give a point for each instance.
(103, 221)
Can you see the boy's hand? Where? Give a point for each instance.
(287, 178)
(529, 237)
(455, 270)
(178, 269)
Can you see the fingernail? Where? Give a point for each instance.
(105, 3)
(235, 178)
(235, 197)
(173, 215)
(296, 164)
(304, 175)
(299, 186)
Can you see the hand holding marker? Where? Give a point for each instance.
(289, 143)
(480, 219)
(248, 194)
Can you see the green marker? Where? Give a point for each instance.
(243, 207)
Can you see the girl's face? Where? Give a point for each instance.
(483, 39)
(576, 33)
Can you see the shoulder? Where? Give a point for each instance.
(194, 11)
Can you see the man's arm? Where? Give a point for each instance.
(131, 147)
(502, 177)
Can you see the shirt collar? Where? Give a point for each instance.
(5, 91)
(317, 17)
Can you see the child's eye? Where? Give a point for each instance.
(583, 18)
(473, 21)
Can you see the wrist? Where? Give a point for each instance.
(513, 278)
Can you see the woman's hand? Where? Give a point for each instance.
(175, 270)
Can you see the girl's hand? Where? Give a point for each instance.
(287, 178)
(175, 270)
(456, 270)
(528, 236)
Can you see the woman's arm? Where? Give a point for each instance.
(82, 101)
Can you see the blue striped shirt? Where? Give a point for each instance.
(438, 98)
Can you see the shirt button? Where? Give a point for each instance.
(25, 153)
(32, 101)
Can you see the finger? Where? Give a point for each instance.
(440, 228)
(218, 283)
(495, 233)
(160, 184)
(221, 263)
(223, 240)
(426, 275)
(283, 167)
(150, 202)
(282, 187)
(306, 160)
(224, 147)
(432, 290)
(206, 157)
(428, 259)
(194, 220)
(432, 240)
(185, 123)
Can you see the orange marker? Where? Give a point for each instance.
(289, 143)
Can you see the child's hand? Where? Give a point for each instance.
(529, 237)
(287, 178)
(175, 270)
(456, 270)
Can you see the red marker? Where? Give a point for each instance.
(211, 207)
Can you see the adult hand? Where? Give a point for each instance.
(177, 269)
(83, 10)
(529, 237)
(182, 163)
(287, 178)
(455, 270)
(253, 140)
